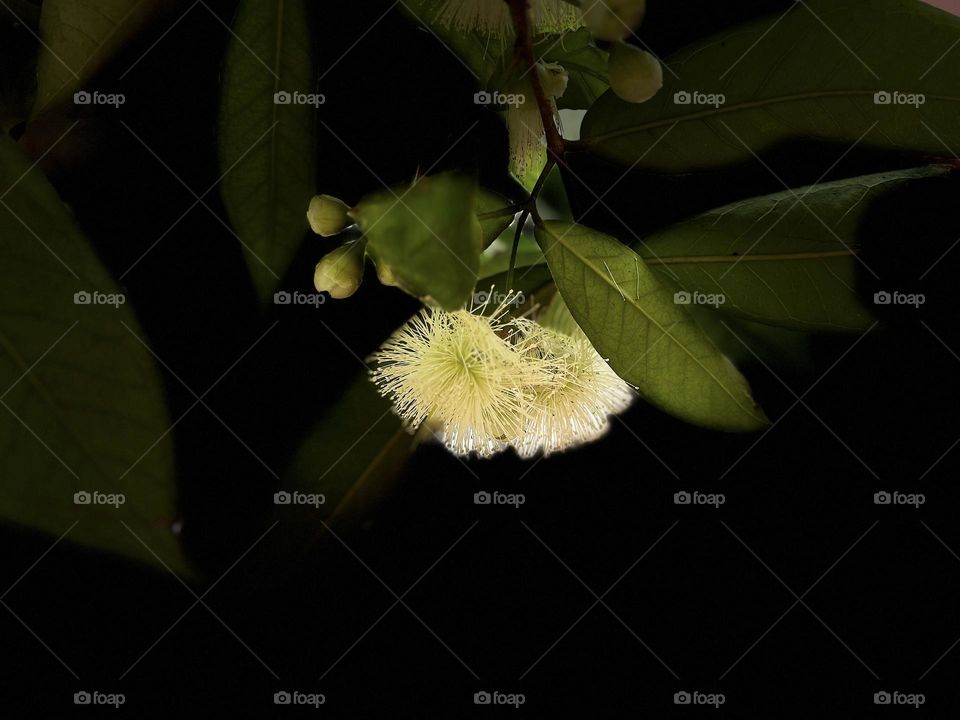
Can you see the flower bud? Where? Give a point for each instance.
(385, 275)
(635, 74)
(612, 20)
(339, 272)
(328, 215)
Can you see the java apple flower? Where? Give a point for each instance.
(488, 382)
(493, 16)
(575, 406)
(460, 370)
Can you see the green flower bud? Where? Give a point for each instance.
(385, 275)
(612, 20)
(339, 272)
(328, 215)
(635, 74)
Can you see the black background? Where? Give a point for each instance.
(695, 592)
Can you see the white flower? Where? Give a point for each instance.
(488, 382)
(461, 370)
(574, 407)
(493, 16)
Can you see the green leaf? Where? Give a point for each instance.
(492, 228)
(496, 259)
(353, 457)
(585, 63)
(427, 237)
(267, 148)
(77, 38)
(648, 340)
(820, 67)
(786, 259)
(82, 405)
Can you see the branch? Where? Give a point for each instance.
(520, 13)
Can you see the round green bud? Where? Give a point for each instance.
(635, 74)
(328, 215)
(339, 272)
(612, 20)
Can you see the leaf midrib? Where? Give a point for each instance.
(757, 257)
(606, 279)
(728, 109)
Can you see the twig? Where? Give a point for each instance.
(520, 13)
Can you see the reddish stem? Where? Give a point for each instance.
(520, 13)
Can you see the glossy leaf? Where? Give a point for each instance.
(82, 404)
(812, 72)
(786, 259)
(650, 341)
(268, 134)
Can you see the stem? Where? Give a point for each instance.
(513, 251)
(530, 208)
(520, 13)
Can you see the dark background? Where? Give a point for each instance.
(693, 588)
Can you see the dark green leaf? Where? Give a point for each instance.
(810, 73)
(352, 457)
(785, 259)
(267, 146)
(78, 37)
(82, 406)
(649, 341)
